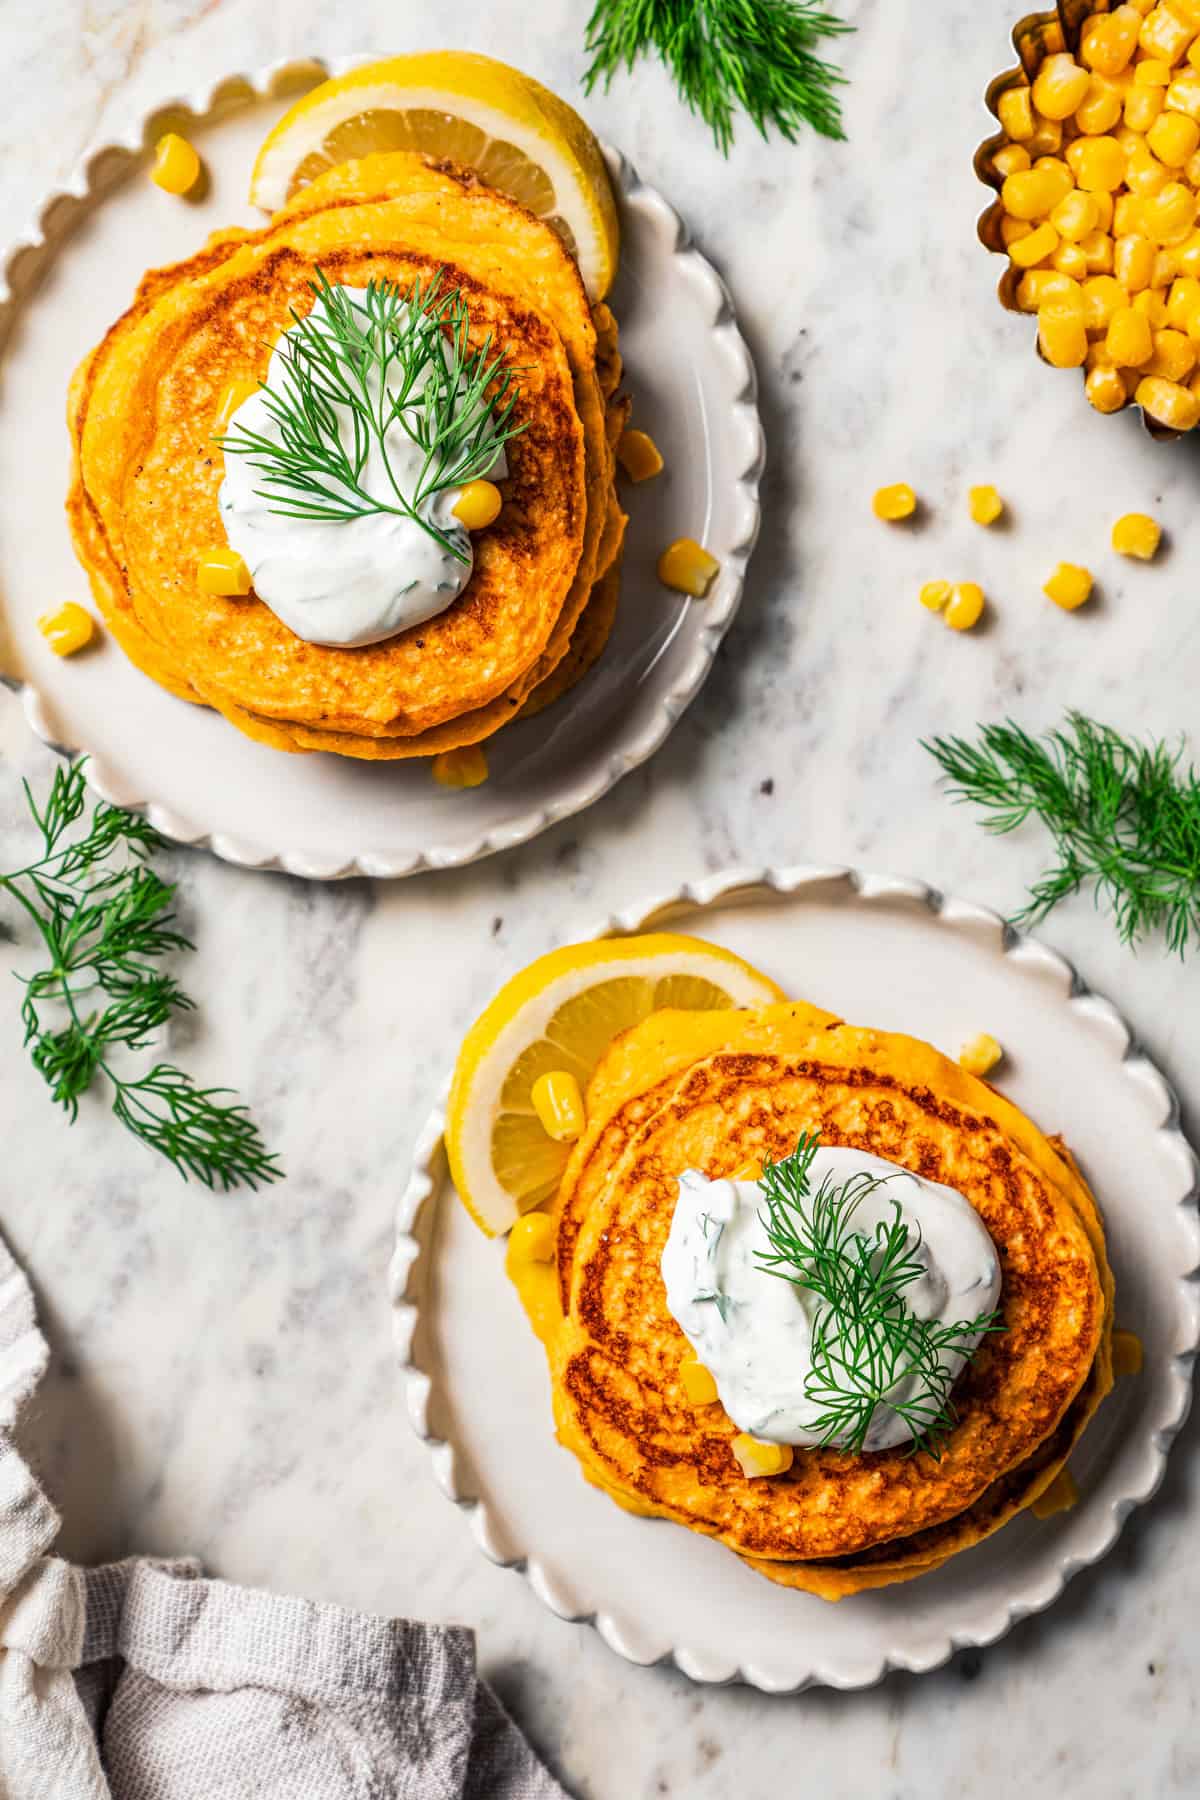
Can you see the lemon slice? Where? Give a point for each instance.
(562, 1013)
(515, 134)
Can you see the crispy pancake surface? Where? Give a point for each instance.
(619, 1404)
(143, 498)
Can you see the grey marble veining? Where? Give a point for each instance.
(223, 1378)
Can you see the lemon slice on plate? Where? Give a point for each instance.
(515, 134)
(561, 1014)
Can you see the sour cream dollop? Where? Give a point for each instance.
(753, 1331)
(354, 581)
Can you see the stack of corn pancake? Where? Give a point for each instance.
(718, 1091)
(542, 596)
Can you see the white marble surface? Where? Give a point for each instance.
(223, 1380)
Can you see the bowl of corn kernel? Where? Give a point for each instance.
(1096, 168)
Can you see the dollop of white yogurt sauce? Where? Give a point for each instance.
(756, 1338)
(354, 581)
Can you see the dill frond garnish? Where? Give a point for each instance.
(1124, 816)
(756, 55)
(359, 365)
(104, 918)
(866, 1342)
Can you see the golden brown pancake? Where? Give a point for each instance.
(619, 1403)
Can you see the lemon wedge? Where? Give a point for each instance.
(562, 1013)
(515, 134)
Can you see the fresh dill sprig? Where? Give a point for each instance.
(866, 1342)
(758, 55)
(1124, 816)
(386, 358)
(104, 917)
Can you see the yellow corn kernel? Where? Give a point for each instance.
(1069, 586)
(532, 1239)
(222, 571)
(1015, 110)
(1108, 43)
(1151, 71)
(1187, 255)
(1101, 297)
(1097, 249)
(1063, 338)
(557, 1099)
(1152, 306)
(1129, 340)
(1104, 211)
(1037, 247)
(1133, 262)
(1100, 107)
(1173, 137)
(980, 1056)
(1182, 301)
(1128, 1356)
(1169, 217)
(1075, 216)
(1143, 6)
(1166, 268)
(465, 767)
(985, 505)
(1059, 87)
(895, 502)
(1174, 356)
(235, 395)
(965, 607)
(1193, 54)
(478, 505)
(1193, 326)
(1071, 259)
(1105, 389)
(1127, 215)
(1061, 1494)
(1054, 170)
(1191, 170)
(697, 1382)
(1183, 95)
(176, 165)
(1013, 230)
(1187, 10)
(934, 595)
(688, 567)
(638, 454)
(1163, 36)
(755, 1458)
(1010, 159)
(1142, 107)
(68, 629)
(1098, 164)
(1129, 143)
(1042, 287)
(1030, 194)
(1047, 137)
(1145, 175)
(1137, 535)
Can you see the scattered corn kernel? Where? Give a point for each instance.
(1104, 204)
(981, 1055)
(1173, 137)
(755, 1458)
(688, 567)
(1145, 176)
(1128, 1356)
(965, 606)
(1133, 262)
(1054, 170)
(465, 767)
(1071, 259)
(1030, 194)
(985, 505)
(1059, 87)
(222, 571)
(1035, 248)
(1015, 109)
(1102, 295)
(697, 1382)
(176, 165)
(1075, 216)
(1182, 301)
(478, 506)
(1168, 217)
(558, 1102)
(1047, 137)
(1167, 403)
(1009, 159)
(1183, 95)
(1130, 341)
(1152, 306)
(1063, 338)
(1098, 164)
(68, 629)
(1151, 71)
(1164, 36)
(1069, 586)
(639, 455)
(1105, 390)
(1039, 287)
(1174, 356)
(532, 1239)
(1142, 107)
(895, 502)
(1138, 535)
(1100, 107)
(934, 595)
(1060, 1496)
(1012, 230)
(1097, 249)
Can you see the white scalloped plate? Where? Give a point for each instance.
(200, 781)
(896, 955)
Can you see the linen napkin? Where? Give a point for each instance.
(144, 1681)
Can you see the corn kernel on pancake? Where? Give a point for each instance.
(615, 1361)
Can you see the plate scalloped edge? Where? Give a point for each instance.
(96, 172)
(1156, 1095)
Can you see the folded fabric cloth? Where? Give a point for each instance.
(143, 1681)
